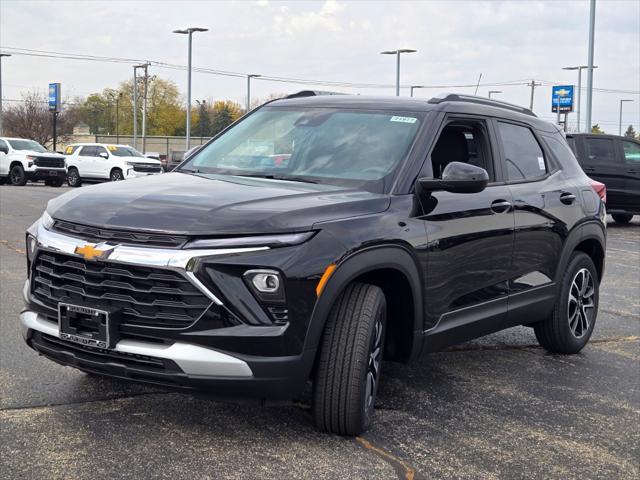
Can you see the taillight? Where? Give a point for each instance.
(600, 189)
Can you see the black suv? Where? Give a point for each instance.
(614, 161)
(315, 237)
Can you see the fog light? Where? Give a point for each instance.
(265, 281)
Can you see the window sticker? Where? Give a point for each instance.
(69, 150)
(112, 147)
(541, 163)
(403, 119)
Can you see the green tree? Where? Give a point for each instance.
(630, 132)
(224, 113)
(596, 129)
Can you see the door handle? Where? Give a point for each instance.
(567, 198)
(500, 206)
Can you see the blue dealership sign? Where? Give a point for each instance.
(563, 95)
(54, 97)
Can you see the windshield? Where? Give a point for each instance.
(124, 151)
(27, 145)
(353, 148)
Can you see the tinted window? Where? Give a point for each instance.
(572, 144)
(631, 151)
(523, 154)
(561, 151)
(124, 151)
(600, 150)
(3, 145)
(99, 150)
(88, 151)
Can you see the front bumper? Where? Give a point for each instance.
(131, 173)
(44, 173)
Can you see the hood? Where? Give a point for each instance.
(41, 154)
(212, 205)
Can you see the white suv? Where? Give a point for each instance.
(22, 159)
(101, 161)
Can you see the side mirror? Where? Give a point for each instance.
(4, 150)
(103, 155)
(191, 152)
(457, 177)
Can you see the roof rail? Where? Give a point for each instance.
(455, 97)
(312, 93)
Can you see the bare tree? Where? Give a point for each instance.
(29, 118)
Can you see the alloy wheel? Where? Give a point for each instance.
(16, 176)
(373, 368)
(116, 176)
(581, 303)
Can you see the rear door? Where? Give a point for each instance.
(600, 161)
(631, 156)
(85, 159)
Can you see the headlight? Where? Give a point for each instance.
(31, 246)
(46, 221)
(277, 240)
(30, 157)
(130, 164)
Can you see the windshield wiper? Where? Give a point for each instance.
(278, 177)
(188, 170)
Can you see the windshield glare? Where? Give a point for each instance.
(27, 145)
(124, 151)
(357, 148)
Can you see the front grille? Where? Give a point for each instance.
(49, 162)
(146, 167)
(143, 296)
(96, 235)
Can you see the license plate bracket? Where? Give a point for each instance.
(53, 173)
(93, 327)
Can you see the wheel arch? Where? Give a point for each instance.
(395, 270)
(14, 163)
(589, 238)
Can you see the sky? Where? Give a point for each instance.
(332, 41)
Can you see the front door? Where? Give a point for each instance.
(631, 154)
(470, 241)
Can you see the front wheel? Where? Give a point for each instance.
(116, 175)
(622, 217)
(571, 323)
(73, 177)
(350, 358)
(17, 176)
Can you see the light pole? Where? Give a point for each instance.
(135, 107)
(397, 54)
(494, 91)
(118, 117)
(415, 86)
(203, 106)
(1, 55)
(592, 28)
(249, 77)
(620, 125)
(144, 67)
(189, 31)
(579, 68)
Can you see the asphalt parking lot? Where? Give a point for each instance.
(497, 407)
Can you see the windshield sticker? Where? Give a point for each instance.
(541, 163)
(69, 150)
(403, 119)
(112, 147)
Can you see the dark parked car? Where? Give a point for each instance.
(614, 161)
(391, 227)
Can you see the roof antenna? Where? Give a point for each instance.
(477, 85)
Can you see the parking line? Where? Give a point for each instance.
(11, 247)
(399, 465)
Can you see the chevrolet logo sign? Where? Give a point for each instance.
(89, 252)
(563, 92)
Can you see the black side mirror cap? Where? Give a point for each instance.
(457, 177)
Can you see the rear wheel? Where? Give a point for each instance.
(622, 217)
(73, 177)
(350, 358)
(571, 323)
(17, 176)
(116, 175)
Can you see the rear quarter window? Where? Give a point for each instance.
(561, 152)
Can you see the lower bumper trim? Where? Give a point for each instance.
(193, 360)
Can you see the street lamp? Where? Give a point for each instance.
(579, 68)
(620, 126)
(189, 31)
(494, 91)
(1, 55)
(397, 54)
(249, 77)
(118, 97)
(415, 86)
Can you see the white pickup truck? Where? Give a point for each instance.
(22, 160)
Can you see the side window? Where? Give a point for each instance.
(464, 141)
(523, 155)
(99, 150)
(561, 151)
(4, 148)
(572, 144)
(599, 150)
(88, 151)
(631, 151)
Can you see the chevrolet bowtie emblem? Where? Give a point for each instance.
(89, 252)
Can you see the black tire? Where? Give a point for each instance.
(73, 177)
(350, 356)
(622, 217)
(566, 330)
(54, 182)
(116, 175)
(17, 176)
(3, 180)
